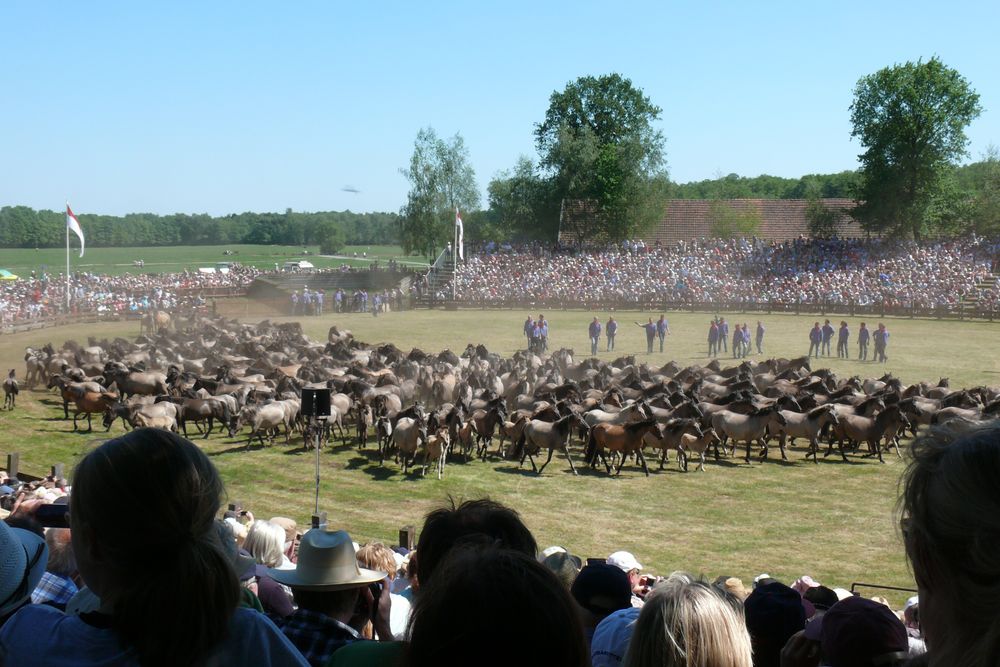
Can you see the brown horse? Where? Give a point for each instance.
(10, 390)
(623, 439)
(92, 402)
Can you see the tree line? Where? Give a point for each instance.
(24, 227)
(598, 143)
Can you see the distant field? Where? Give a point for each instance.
(114, 261)
(832, 520)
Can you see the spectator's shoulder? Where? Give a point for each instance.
(361, 654)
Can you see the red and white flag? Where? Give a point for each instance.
(461, 233)
(74, 225)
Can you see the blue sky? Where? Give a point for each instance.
(222, 107)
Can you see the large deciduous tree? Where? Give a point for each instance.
(911, 120)
(599, 144)
(441, 180)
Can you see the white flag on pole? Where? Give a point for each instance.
(74, 226)
(458, 225)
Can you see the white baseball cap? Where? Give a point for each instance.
(624, 561)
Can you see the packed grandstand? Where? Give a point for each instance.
(744, 271)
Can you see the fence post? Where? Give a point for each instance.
(13, 464)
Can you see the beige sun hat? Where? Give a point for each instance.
(327, 561)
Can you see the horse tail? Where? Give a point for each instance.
(590, 452)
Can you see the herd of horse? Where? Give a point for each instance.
(246, 380)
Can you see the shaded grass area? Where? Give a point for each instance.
(114, 261)
(832, 520)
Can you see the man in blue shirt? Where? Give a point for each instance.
(543, 333)
(760, 337)
(843, 335)
(737, 340)
(815, 339)
(723, 333)
(662, 329)
(713, 339)
(881, 338)
(650, 328)
(529, 332)
(595, 336)
(863, 337)
(612, 328)
(827, 337)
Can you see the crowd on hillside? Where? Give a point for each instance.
(33, 297)
(806, 271)
(144, 568)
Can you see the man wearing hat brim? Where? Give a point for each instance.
(23, 557)
(333, 596)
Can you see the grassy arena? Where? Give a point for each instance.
(114, 261)
(833, 521)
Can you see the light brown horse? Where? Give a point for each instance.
(92, 402)
(622, 439)
(668, 436)
(698, 445)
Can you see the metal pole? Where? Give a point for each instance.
(316, 447)
(454, 261)
(67, 268)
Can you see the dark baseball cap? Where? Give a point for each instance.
(858, 632)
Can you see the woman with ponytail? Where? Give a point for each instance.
(142, 515)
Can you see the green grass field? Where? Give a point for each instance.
(832, 520)
(114, 261)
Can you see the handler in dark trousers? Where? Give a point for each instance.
(662, 330)
(595, 336)
(863, 337)
(611, 328)
(815, 339)
(650, 328)
(843, 335)
(760, 338)
(529, 332)
(881, 337)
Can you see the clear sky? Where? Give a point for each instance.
(220, 107)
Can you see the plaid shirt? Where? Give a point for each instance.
(53, 589)
(317, 635)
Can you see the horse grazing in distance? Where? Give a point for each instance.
(10, 390)
(623, 439)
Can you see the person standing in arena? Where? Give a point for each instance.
(713, 339)
(611, 328)
(662, 330)
(881, 337)
(746, 340)
(827, 337)
(723, 333)
(760, 338)
(863, 337)
(815, 339)
(843, 335)
(595, 336)
(529, 332)
(737, 340)
(650, 328)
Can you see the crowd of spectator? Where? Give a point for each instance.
(42, 296)
(861, 272)
(145, 569)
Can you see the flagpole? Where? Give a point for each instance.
(67, 266)
(454, 261)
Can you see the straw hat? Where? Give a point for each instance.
(327, 561)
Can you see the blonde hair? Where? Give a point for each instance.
(377, 556)
(951, 528)
(266, 542)
(687, 624)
